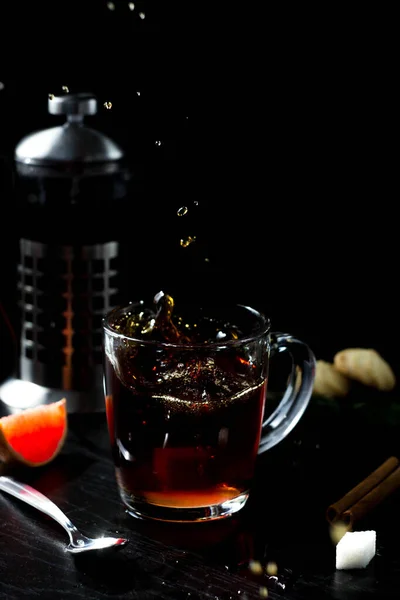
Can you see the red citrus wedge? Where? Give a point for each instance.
(34, 436)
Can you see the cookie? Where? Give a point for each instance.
(329, 382)
(366, 366)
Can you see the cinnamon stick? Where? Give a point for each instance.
(363, 498)
(372, 499)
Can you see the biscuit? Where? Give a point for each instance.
(366, 366)
(329, 382)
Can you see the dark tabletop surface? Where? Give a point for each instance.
(334, 446)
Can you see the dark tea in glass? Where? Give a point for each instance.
(185, 396)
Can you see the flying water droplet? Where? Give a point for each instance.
(131, 6)
(142, 15)
(107, 105)
(2, 86)
(185, 242)
(158, 143)
(181, 212)
(51, 96)
(138, 93)
(65, 89)
(110, 5)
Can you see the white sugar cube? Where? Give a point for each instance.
(356, 549)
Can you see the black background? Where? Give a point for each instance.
(290, 149)
(280, 122)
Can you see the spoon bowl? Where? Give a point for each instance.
(83, 543)
(78, 542)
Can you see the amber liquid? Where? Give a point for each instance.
(174, 451)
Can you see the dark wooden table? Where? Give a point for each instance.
(333, 447)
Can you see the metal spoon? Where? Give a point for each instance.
(78, 541)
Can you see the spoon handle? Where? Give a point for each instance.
(28, 494)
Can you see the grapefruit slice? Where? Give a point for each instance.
(34, 436)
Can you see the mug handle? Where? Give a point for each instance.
(295, 401)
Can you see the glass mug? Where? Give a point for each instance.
(185, 404)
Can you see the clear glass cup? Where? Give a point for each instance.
(186, 417)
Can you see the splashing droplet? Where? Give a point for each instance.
(181, 212)
(65, 89)
(185, 242)
(107, 105)
(142, 15)
(110, 5)
(131, 6)
(51, 96)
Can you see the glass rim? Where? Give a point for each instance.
(264, 329)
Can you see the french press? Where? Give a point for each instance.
(71, 184)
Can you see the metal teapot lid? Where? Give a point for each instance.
(71, 145)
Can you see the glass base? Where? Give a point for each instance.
(141, 509)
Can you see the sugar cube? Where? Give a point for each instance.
(355, 549)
